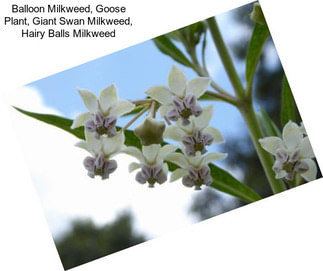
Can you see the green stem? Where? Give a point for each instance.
(222, 97)
(153, 109)
(225, 57)
(266, 158)
(136, 117)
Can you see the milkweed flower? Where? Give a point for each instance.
(293, 153)
(102, 150)
(152, 167)
(194, 170)
(197, 135)
(102, 112)
(179, 99)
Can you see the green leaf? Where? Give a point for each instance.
(258, 39)
(223, 180)
(267, 124)
(226, 183)
(288, 110)
(57, 121)
(166, 46)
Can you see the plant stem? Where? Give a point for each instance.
(135, 118)
(222, 97)
(141, 101)
(167, 120)
(225, 57)
(244, 104)
(266, 158)
(153, 109)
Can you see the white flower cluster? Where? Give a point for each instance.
(293, 153)
(190, 128)
(102, 140)
(179, 104)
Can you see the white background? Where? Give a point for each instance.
(289, 225)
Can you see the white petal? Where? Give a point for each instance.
(217, 136)
(213, 156)
(133, 166)
(204, 119)
(188, 129)
(177, 81)
(198, 86)
(94, 144)
(271, 143)
(292, 135)
(121, 108)
(150, 153)
(161, 94)
(178, 173)
(280, 174)
(163, 110)
(83, 145)
(306, 150)
(174, 132)
(178, 159)
(90, 101)
(135, 152)
(113, 145)
(165, 169)
(310, 174)
(197, 160)
(108, 98)
(164, 151)
(81, 119)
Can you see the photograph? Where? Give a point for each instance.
(161, 135)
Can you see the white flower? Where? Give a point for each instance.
(194, 170)
(151, 163)
(102, 112)
(102, 150)
(197, 134)
(293, 153)
(179, 99)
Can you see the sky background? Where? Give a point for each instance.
(56, 166)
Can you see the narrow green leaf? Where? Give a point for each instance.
(57, 121)
(166, 46)
(267, 124)
(259, 36)
(65, 124)
(287, 111)
(225, 182)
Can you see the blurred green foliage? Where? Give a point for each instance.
(85, 241)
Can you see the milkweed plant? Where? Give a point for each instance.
(172, 133)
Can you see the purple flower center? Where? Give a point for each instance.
(198, 177)
(290, 163)
(196, 142)
(99, 166)
(102, 125)
(184, 109)
(151, 175)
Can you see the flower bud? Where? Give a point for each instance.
(257, 15)
(150, 131)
